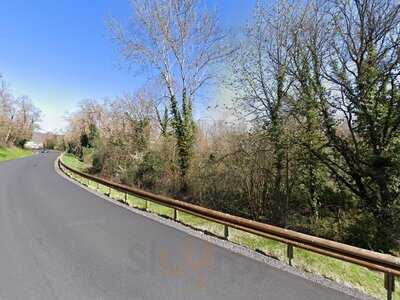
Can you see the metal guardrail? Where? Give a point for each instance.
(387, 264)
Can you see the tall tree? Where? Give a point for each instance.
(310, 36)
(355, 77)
(180, 41)
(18, 117)
(262, 86)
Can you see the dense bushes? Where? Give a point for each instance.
(231, 174)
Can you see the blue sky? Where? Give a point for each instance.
(60, 52)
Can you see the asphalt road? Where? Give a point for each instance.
(58, 241)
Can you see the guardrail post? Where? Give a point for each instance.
(109, 192)
(126, 198)
(226, 231)
(175, 214)
(97, 187)
(145, 205)
(389, 285)
(290, 253)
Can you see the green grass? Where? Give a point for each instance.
(73, 162)
(13, 153)
(361, 278)
(365, 280)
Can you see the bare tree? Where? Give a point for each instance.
(18, 117)
(262, 86)
(180, 41)
(7, 114)
(26, 119)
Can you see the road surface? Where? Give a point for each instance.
(58, 241)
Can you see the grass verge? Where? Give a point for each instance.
(13, 153)
(363, 279)
(72, 161)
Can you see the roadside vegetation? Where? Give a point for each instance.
(365, 280)
(13, 153)
(18, 120)
(18, 117)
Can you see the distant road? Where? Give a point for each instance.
(59, 241)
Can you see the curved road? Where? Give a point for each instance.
(59, 241)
